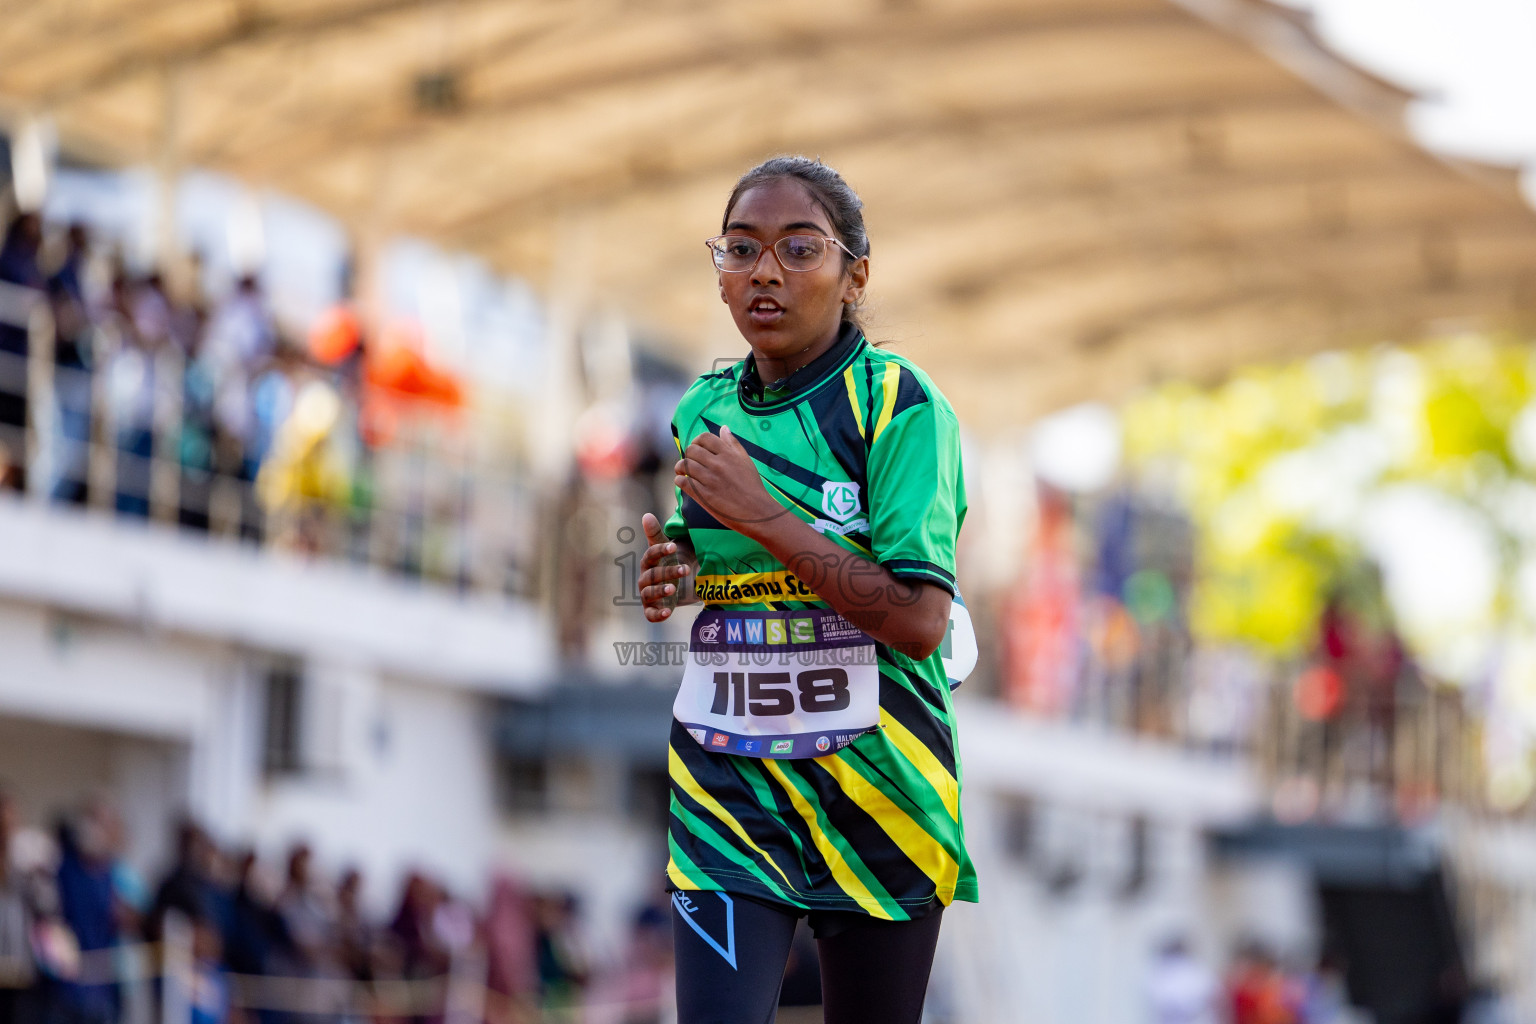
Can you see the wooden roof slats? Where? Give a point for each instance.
(1066, 197)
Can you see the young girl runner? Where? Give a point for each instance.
(813, 756)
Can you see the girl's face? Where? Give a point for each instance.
(784, 313)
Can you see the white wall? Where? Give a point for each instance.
(50, 769)
(159, 578)
(419, 794)
(147, 644)
(96, 673)
(613, 865)
(1080, 955)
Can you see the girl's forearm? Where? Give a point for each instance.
(907, 616)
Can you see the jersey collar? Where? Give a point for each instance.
(850, 340)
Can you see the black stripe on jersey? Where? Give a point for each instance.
(840, 431)
(720, 780)
(790, 819)
(916, 684)
(697, 518)
(900, 565)
(916, 805)
(909, 392)
(772, 460)
(887, 861)
(869, 403)
(907, 708)
(729, 373)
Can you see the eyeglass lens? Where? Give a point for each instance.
(738, 253)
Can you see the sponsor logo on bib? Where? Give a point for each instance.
(782, 747)
(750, 746)
(710, 632)
(823, 744)
(720, 739)
(698, 734)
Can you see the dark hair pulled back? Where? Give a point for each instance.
(828, 190)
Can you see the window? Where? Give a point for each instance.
(523, 783)
(283, 747)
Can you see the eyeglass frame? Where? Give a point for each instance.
(709, 243)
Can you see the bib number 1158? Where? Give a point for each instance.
(774, 693)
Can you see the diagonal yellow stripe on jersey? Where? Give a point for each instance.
(922, 758)
(841, 872)
(920, 847)
(684, 778)
(853, 399)
(792, 506)
(888, 382)
(679, 867)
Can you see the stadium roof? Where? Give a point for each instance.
(1066, 198)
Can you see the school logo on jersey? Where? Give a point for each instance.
(840, 499)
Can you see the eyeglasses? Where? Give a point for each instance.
(736, 254)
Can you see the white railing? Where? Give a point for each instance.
(161, 981)
(116, 439)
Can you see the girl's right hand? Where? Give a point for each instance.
(663, 569)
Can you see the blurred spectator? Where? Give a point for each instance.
(130, 370)
(209, 997)
(88, 907)
(1181, 989)
(304, 914)
(422, 956)
(361, 949)
(64, 912)
(241, 337)
(1257, 989)
(190, 886)
(72, 369)
(239, 342)
(510, 942)
(18, 266)
(641, 991)
(1323, 999)
(562, 969)
(256, 940)
(17, 973)
(152, 395)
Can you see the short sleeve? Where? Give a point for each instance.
(917, 493)
(675, 528)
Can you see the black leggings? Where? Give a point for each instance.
(731, 953)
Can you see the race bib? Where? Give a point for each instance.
(778, 684)
(958, 650)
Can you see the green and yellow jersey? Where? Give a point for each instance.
(863, 447)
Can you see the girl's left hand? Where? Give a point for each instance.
(718, 473)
